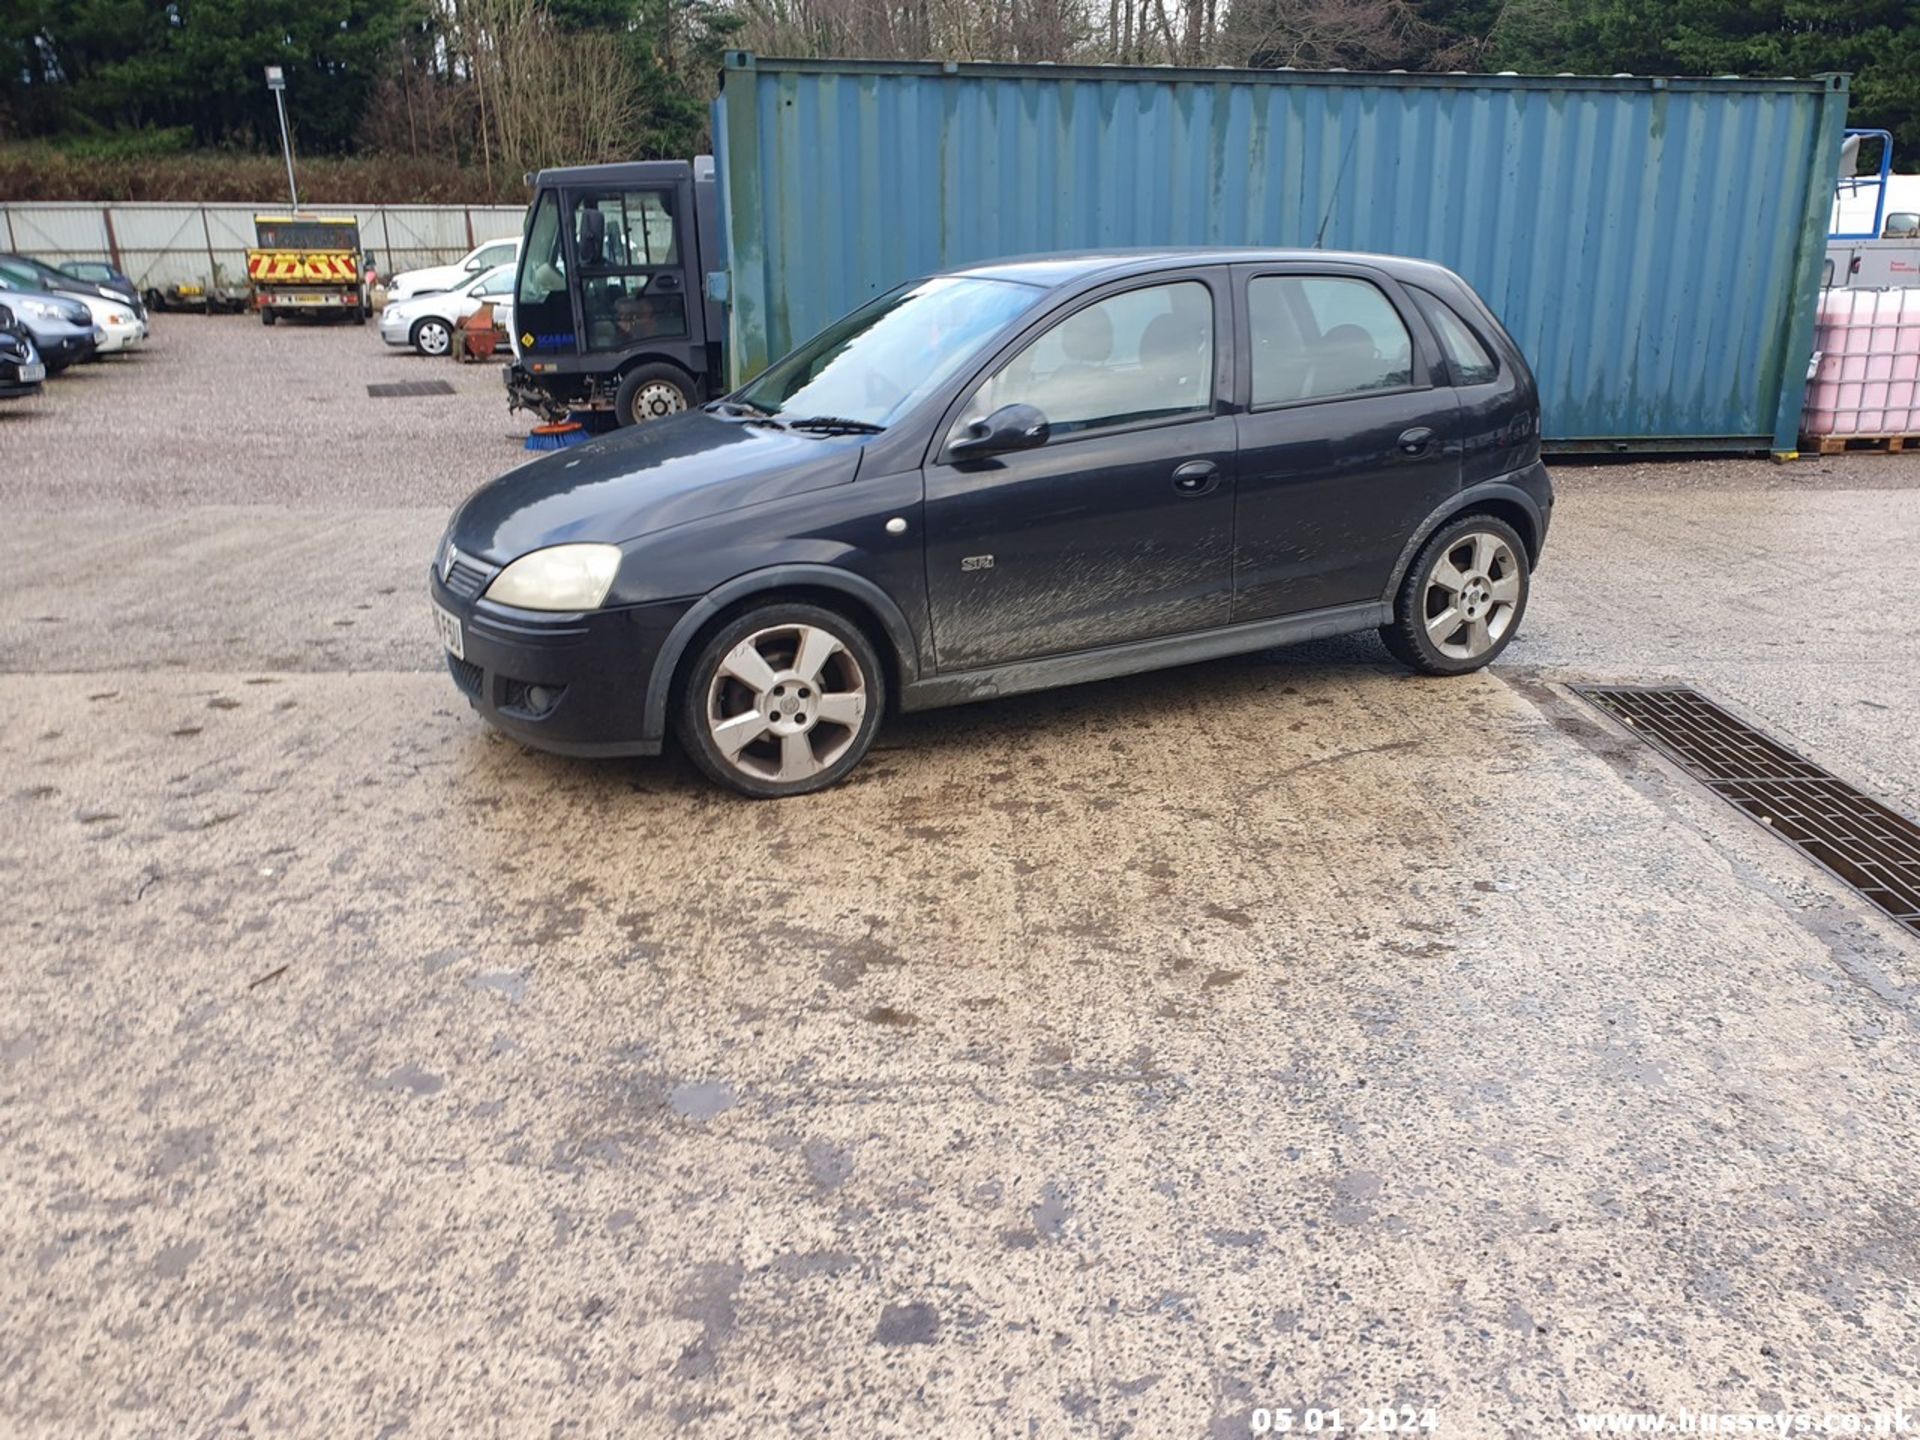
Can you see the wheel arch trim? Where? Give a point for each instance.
(1463, 503)
(666, 664)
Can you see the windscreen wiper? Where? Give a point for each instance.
(835, 425)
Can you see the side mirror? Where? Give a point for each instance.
(593, 235)
(1011, 427)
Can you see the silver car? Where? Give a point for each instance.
(427, 322)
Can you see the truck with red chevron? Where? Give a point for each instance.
(308, 264)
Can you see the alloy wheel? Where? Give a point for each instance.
(786, 703)
(1471, 595)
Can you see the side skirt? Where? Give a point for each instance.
(1136, 656)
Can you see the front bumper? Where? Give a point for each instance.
(394, 331)
(594, 668)
(12, 387)
(122, 337)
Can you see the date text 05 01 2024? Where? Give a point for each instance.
(1344, 1420)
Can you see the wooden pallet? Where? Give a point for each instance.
(1866, 444)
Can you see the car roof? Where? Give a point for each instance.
(1072, 267)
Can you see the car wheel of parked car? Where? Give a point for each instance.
(782, 701)
(432, 337)
(1462, 599)
(652, 392)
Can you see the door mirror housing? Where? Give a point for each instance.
(1011, 427)
(592, 239)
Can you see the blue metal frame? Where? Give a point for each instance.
(1853, 184)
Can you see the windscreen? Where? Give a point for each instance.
(306, 235)
(876, 362)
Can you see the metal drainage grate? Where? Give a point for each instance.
(406, 389)
(1872, 848)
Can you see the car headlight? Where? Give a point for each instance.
(40, 309)
(561, 577)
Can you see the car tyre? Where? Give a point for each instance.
(652, 392)
(267, 317)
(432, 337)
(1462, 599)
(782, 700)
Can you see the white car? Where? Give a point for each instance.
(122, 327)
(427, 322)
(434, 278)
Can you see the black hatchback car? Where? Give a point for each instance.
(1007, 477)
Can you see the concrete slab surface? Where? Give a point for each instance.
(1277, 1032)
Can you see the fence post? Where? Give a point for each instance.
(467, 210)
(113, 240)
(213, 267)
(386, 234)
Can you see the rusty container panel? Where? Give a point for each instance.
(1653, 244)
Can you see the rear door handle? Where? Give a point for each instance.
(1196, 477)
(1416, 441)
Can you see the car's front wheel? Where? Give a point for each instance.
(432, 337)
(1462, 599)
(783, 700)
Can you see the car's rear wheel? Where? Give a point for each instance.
(783, 700)
(652, 392)
(1463, 597)
(431, 337)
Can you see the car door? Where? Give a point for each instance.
(1120, 526)
(1346, 444)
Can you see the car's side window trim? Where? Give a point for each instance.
(1225, 357)
(1419, 332)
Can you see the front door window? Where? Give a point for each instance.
(1141, 356)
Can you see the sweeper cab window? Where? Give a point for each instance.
(631, 289)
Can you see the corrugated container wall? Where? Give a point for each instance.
(1654, 245)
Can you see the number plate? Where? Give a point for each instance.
(448, 624)
(31, 373)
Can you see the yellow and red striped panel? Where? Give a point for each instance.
(300, 267)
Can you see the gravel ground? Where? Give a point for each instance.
(1278, 1032)
(222, 410)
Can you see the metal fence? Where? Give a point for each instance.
(157, 245)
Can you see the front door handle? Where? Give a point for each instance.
(1196, 477)
(1416, 441)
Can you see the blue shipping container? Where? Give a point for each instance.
(1653, 244)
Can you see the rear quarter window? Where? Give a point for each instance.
(1468, 359)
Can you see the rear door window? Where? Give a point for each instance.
(1322, 337)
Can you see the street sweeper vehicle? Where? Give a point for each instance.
(612, 311)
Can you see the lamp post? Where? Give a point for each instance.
(277, 82)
